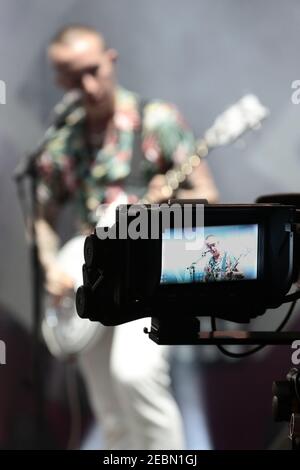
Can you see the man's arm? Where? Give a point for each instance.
(172, 142)
(232, 270)
(57, 282)
(47, 239)
(55, 178)
(201, 182)
(202, 185)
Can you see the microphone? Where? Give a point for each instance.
(71, 100)
(204, 253)
(69, 103)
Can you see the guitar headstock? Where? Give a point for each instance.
(246, 114)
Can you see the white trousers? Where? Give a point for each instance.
(128, 381)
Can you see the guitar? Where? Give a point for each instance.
(65, 333)
(246, 114)
(229, 271)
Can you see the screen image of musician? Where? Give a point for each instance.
(225, 253)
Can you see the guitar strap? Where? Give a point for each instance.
(135, 182)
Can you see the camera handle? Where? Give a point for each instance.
(169, 330)
(172, 331)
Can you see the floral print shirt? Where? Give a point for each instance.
(72, 168)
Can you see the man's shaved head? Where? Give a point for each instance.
(82, 61)
(69, 34)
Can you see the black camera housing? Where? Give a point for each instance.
(122, 276)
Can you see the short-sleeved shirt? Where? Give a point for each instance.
(73, 169)
(218, 269)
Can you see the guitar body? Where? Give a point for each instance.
(64, 332)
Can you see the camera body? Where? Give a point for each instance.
(130, 274)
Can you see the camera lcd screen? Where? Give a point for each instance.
(209, 254)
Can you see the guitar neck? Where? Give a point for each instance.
(180, 173)
(246, 114)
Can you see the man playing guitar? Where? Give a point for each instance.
(90, 160)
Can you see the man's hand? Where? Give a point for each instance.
(202, 187)
(157, 189)
(58, 283)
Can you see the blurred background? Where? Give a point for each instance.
(202, 55)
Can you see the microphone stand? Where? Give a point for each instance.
(27, 169)
(66, 111)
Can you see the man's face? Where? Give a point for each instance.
(84, 64)
(213, 246)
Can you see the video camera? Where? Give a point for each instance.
(186, 259)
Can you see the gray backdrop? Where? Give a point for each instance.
(201, 54)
